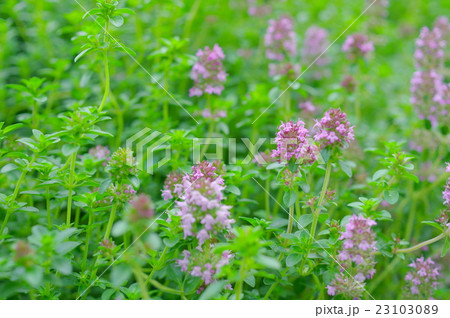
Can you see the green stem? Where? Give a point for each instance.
(321, 199)
(420, 245)
(240, 282)
(137, 270)
(49, 212)
(208, 139)
(267, 198)
(88, 238)
(165, 289)
(291, 219)
(16, 192)
(107, 84)
(35, 118)
(112, 216)
(73, 159)
(316, 212)
(191, 18)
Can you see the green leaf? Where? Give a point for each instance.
(69, 149)
(66, 247)
(293, 259)
(433, 224)
(120, 274)
(378, 174)
(289, 198)
(213, 290)
(171, 242)
(250, 280)
(269, 262)
(9, 167)
(305, 220)
(62, 265)
(116, 20)
(346, 168)
(81, 54)
(119, 228)
(233, 189)
(391, 196)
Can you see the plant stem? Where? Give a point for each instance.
(49, 212)
(267, 198)
(16, 192)
(420, 245)
(240, 282)
(321, 199)
(107, 84)
(291, 219)
(73, 159)
(208, 139)
(137, 270)
(88, 238)
(35, 116)
(164, 288)
(317, 212)
(112, 216)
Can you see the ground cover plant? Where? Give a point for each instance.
(224, 149)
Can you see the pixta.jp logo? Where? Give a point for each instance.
(152, 149)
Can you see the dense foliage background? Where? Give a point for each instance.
(58, 192)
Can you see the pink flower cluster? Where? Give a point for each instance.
(292, 141)
(208, 72)
(205, 269)
(280, 39)
(203, 217)
(357, 45)
(172, 186)
(443, 25)
(143, 207)
(430, 94)
(334, 129)
(281, 44)
(100, 152)
(316, 42)
(446, 192)
(206, 113)
(356, 256)
(307, 107)
(422, 279)
(429, 48)
(258, 10)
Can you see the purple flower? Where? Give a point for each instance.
(307, 107)
(357, 45)
(446, 194)
(291, 140)
(144, 207)
(430, 96)
(208, 72)
(258, 10)
(429, 49)
(280, 39)
(172, 185)
(334, 129)
(422, 279)
(203, 217)
(315, 44)
(100, 152)
(357, 255)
